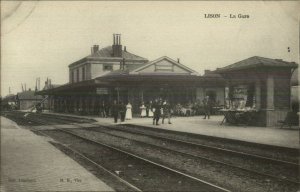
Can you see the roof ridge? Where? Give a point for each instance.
(133, 54)
(256, 61)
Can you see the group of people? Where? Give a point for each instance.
(162, 110)
(121, 109)
(159, 109)
(156, 110)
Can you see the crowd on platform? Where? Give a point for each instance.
(159, 109)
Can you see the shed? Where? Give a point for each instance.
(27, 99)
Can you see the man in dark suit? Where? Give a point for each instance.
(115, 111)
(156, 106)
(207, 106)
(122, 111)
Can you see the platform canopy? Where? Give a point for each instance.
(161, 72)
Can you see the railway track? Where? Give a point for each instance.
(252, 159)
(254, 149)
(138, 136)
(283, 169)
(140, 171)
(164, 178)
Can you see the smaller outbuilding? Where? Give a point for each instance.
(27, 99)
(260, 85)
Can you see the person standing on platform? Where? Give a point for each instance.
(166, 112)
(150, 109)
(122, 111)
(106, 108)
(207, 107)
(147, 109)
(143, 110)
(156, 107)
(115, 111)
(102, 109)
(128, 111)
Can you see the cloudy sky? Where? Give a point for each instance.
(41, 38)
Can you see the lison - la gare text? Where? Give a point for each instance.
(231, 16)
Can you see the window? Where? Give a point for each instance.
(77, 75)
(73, 76)
(107, 67)
(83, 73)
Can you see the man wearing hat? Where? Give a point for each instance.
(166, 112)
(156, 110)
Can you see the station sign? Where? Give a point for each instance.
(102, 91)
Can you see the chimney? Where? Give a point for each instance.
(117, 47)
(94, 49)
(125, 49)
(178, 60)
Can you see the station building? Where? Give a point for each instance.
(113, 73)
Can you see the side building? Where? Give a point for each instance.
(262, 84)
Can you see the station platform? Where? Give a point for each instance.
(30, 163)
(211, 127)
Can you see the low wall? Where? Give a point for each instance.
(270, 118)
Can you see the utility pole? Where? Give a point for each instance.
(39, 83)
(35, 85)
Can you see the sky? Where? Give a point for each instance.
(41, 38)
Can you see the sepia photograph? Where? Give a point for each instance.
(149, 96)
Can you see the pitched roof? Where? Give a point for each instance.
(28, 95)
(257, 61)
(133, 69)
(107, 53)
(164, 58)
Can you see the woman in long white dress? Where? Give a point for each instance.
(150, 112)
(128, 115)
(143, 110)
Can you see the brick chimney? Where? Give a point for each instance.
(94, 49)
(117, 47)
